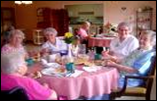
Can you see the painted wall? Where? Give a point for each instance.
(7, 4)
(113, 11)
(26, 14)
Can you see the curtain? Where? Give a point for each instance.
(56, 18)
(60, 21)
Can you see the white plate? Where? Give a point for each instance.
(48, 71)
(100, 35)
(46, 64)
(53, 72)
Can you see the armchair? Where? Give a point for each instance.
(16, 93)
(141, 91)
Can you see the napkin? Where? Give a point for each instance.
(53, 57)
(76, 74)
(92, 69)
(46, 64)
(52, 72)
(110, 38)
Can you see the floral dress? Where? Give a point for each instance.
(7, 49)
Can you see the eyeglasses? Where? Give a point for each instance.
(123, 29)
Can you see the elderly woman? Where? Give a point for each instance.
(125, 43)
(13, 69)
(139, 61)
(53, 44)
(15, 43)
(82, 32)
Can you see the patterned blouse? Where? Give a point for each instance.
(6, 49)
(139, 60)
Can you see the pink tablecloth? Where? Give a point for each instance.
(99, 41)
(87, 84)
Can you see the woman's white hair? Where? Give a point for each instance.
(122, 24)
(87, 23)
(152, 35)
(10, 63)
(50, 29)
(16, 32)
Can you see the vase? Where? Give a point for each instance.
(70, 56)
(69, 50)
(70, 63)
(70, 67)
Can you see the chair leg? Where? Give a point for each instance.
(112, 96)
(147, 97)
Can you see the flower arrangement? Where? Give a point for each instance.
(69, 38)
(110, 28)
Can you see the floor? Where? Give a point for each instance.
(32, 47)
(153, 95)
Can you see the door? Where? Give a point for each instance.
(7, 17)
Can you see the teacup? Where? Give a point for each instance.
(29, 61)
(98, 56)
(70, 67)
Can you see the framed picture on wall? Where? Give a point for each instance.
(39, 12)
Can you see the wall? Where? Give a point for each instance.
(7, 4)
(82, 12)
(97, 9)
(26, 15)
(115, 14)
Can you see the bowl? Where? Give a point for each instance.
(63, 52)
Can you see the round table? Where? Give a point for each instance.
(87, 84)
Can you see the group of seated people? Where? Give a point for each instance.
(131, 56)
(128, 54)
(14, 67)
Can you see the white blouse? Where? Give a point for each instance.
(59, 45)
(124, 48)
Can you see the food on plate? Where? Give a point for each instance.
(98, 62)
(90, 64)
(86, 62)
(60, 70)
(37, 75)
(104, 62)
(78, 61)
(58, 60)
(83, 57)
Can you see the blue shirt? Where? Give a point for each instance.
(141, 63)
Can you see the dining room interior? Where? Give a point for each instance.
(34, 17)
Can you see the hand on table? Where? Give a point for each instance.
(111, 63)
(35, 75)
(107, 56)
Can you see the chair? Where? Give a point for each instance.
(16, 93)
(141, 91)
(38, 37)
